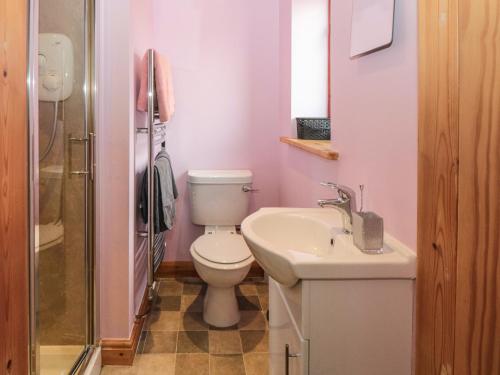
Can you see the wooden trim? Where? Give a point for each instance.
(437, 186)
(318, 148)
(477, 332)
(14, 217)
(121, 352)
(458, 288)
(177, 269)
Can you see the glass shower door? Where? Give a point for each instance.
(64, 247)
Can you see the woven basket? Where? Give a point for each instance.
(313, 128)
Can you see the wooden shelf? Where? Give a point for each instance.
(319, 148)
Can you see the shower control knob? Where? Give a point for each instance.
(52, 82)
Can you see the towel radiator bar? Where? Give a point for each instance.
(153, 129)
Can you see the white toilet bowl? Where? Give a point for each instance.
(222, 260)
(219, 201)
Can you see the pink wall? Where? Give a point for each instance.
(374, 110)
(124, 31)
(384, 132)
(233, 91)
(113, 190)
(224, 55)
(142, 40)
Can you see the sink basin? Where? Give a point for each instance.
(292, 244)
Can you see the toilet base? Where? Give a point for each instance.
(220, 307)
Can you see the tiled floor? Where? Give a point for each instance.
(176, 340)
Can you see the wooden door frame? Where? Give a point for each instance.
(437, 187)
(14, 189)
(458, 289)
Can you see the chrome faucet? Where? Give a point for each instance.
(343, 203)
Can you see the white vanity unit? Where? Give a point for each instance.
(334, 310)
(341, 327)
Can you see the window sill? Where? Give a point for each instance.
(318, 148)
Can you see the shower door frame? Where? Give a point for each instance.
(89, 90)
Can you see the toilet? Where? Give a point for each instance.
(219, 201)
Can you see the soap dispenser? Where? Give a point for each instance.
(368, 229)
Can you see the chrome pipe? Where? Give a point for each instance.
(151, 187)
(89, 132)
(32, 97)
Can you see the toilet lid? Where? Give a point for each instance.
(222, 248)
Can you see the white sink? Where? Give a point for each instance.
(308, 243)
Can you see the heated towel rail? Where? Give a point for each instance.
(154, 129)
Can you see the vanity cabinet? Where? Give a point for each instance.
(341, 327)
(287, 347)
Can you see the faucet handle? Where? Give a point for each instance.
(342, 191)
(329, 184)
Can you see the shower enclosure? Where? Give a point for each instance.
(62, 260)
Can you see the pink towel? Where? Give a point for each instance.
(164, 87)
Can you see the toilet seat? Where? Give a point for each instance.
(222, 248)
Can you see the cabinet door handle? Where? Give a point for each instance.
(288, 355)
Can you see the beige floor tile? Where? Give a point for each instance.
(254, 279)
(163, 321)
(256, 363)
(142, 341)
(137, 358)
(230, 328)
(160, 342)
(255, 341)
(119, 370)
(192, 364)
(192, 342)
(177, 341)
(194, 289)
(150, 364)
(264, 302)
(167, 303)
(192, 303)
(192, 321)
(190, 280)
(262, 288)
(246, 290)
(252, 321)
(248, 303)
(225, 342)
(226, 364)
(170, 287)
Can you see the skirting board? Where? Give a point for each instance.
(186, 269)
(121, 352)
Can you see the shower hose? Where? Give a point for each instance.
(53, 133)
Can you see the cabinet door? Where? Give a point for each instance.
(283, 333)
